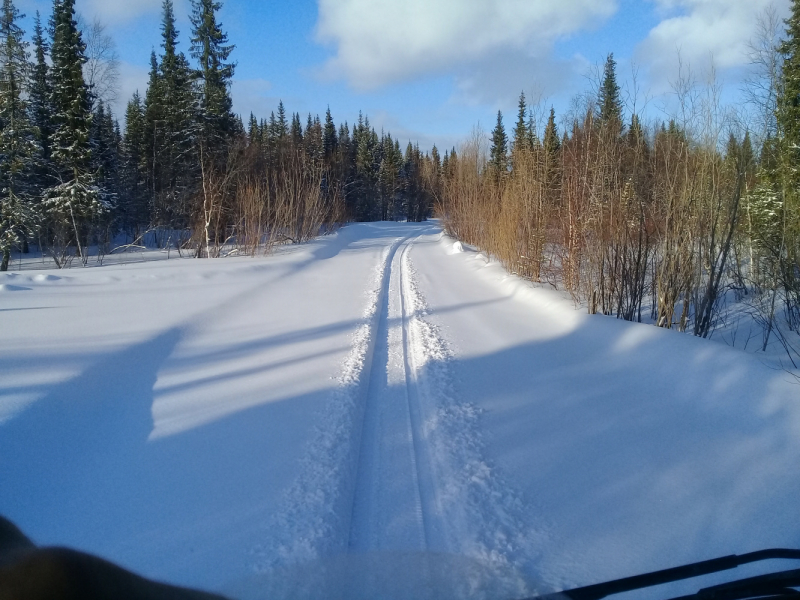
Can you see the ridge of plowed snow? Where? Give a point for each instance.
(486, 518)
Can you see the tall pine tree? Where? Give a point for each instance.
(609, 102)
(179, 131)
(498, 152)
(18, 146)
(211, 50)
(40, 95)
(133, 207)
(521, 132)
(76, 201)
(787, 204)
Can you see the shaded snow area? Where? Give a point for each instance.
(382, 413)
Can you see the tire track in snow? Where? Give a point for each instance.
(388, 510)
(314, 519)
(398, 462)
(431, 512)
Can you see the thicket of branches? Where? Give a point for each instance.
(185, 172)
(660, 222)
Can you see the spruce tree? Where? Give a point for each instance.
(789, 98)
(40, 92)
(75, 202)
(105, 153)
(521, 132)
(133, 193)
(153, 143)
(253, 131)
(312, 143)
(329, 139)
(281, 125)
(609, 103)
(211, 49)
(498, 153)
(296, 131)
(70, 94)
(18, 146)
(786, 176)
(179, 124)
(551, 139)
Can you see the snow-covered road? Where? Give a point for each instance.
(378, 411)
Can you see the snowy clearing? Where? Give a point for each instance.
(381, 412)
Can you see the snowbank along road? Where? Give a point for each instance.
(380, 413)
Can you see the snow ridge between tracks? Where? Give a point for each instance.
(485, 518)
(314, 520)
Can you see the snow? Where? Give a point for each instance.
(378, 413)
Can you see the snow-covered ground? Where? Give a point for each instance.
(380, 413)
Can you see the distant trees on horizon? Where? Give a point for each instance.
(184, 168)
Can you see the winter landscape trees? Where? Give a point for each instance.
(641, 218)
(663, 222)
(182, 169)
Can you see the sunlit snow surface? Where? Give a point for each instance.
(380, 413)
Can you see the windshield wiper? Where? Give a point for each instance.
(774, 585)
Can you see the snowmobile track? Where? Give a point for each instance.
(394, 493)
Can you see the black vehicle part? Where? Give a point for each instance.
(771, 585)
(775, 585)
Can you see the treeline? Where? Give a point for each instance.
(184, 172)
(657, 223)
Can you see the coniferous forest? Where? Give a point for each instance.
(184, 172)
(641, 218)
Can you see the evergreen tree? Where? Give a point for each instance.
(253, 131)
(153, 142)
(211, 49)
(789, 100)
(313, 140)
(521, 131)
(70, 95)
(178, 152)
(782, 196)
(133, 193)
(329, 139)
(73, 203)
(609, 103)
(18, 147)
(551, 139)
(40, 94)
(281, 126)
(498, 153)
(296, 131)
(105, 153)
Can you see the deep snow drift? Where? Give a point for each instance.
(378, 413)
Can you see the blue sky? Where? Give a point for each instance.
(430, 70)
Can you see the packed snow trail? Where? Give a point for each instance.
(397, 513)
(382, 412)
(398, 468)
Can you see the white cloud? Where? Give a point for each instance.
(378, 42)
(702, 31)
(498, 78)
